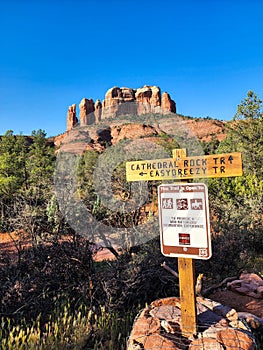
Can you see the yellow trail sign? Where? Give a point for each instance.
(216, 165)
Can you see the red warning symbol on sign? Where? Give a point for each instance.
(184, 238)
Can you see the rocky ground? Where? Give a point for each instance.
(160, 326)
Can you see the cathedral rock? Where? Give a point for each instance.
(147, 99)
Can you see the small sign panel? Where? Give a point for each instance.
(184, 220)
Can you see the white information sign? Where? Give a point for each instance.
(184, 220)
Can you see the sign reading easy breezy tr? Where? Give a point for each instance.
(184, 220)
(218, 165)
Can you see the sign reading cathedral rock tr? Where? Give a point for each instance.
(216, 165)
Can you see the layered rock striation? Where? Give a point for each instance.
(118, 101)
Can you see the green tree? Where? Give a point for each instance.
(210, 147)
(13, 173)
(237, 202)
(40, 163)
(245, 134)
(30, 202)
(12, 163)
(85, 173)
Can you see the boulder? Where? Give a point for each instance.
(235, 339)
(205, 343)
(248, 284)
(157, 341)
(159, 326)
(142, 328)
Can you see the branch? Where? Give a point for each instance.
(166, 267)
(211, 289)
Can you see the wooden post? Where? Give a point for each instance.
(187, 296)
(179, 153)
(187, 282)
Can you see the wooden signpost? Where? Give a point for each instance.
(181, 228)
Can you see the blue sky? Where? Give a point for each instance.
(206, 54)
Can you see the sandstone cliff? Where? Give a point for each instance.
(147, 99)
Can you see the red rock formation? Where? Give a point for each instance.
(132, 131)
(116, 102)
(204, 129)
(121, 101)
(72, 119)
(168, 104)
(86, 115)
(155, 98)
(98, 110)
(148, 99)
(113, 98)
(143, 97)
(128, 94)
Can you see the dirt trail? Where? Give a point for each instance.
(9, 241)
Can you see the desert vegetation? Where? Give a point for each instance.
(55, 294)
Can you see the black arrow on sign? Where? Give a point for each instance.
(230, 159)
(142, 173)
